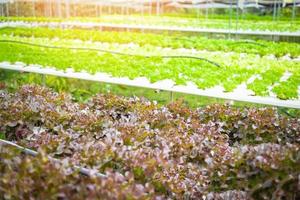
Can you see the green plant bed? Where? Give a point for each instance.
(232, 69)
(177, 41)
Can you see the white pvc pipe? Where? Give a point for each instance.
(71, 24)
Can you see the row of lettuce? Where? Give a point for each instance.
(135, 61)
(241, 24)
(260, 47)
(145, 151)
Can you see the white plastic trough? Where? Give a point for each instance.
(142, 83)
(70, 24)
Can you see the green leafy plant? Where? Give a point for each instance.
(147, 62)
(177, 41)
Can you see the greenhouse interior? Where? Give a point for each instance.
(150, 99)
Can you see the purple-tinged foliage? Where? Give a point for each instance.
(147, 151)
